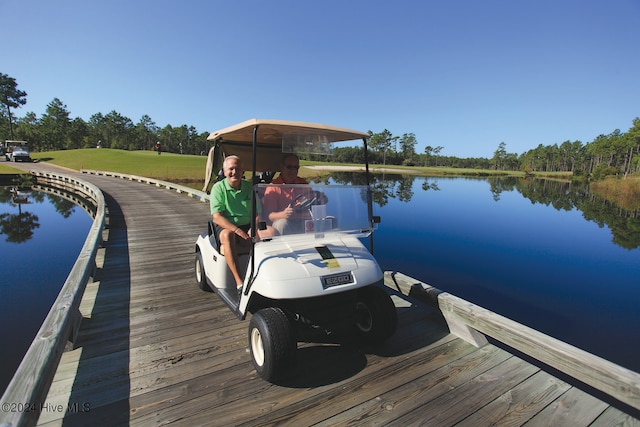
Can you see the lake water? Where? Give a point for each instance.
(39, 243)
(544, 253)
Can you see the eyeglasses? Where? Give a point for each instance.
(293, 167)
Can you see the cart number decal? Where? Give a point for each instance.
(336, 279)
(327, 257)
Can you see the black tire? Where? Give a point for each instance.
(272, 343)
(201, 278)
(376, 316)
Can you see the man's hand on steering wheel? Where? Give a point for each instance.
(303, 200)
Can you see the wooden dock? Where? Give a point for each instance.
(153, 349)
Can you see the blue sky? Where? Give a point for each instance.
(461, 74)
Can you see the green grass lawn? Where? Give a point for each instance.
(6, 169)
(167, 166)
(190, 168)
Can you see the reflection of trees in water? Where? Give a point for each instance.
(5, 195)
(63, 207)
(19, 227)
(384, 186)
(560, 195)
(624, 225)
(426, 185)
(566, 196)
(497, 186)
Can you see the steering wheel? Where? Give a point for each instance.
(303, 200)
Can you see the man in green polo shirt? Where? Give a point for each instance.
(230, 204)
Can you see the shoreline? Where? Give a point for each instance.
(344, 168)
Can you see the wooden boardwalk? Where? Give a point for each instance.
(153, 349)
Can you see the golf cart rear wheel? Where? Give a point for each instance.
(376, 317)
(201, 278)
(272, 343)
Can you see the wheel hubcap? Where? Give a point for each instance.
(198, 271)
(364, 321)
(257, 349)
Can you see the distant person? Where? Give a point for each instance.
(158, 148)
(277, 201)
(230, 204)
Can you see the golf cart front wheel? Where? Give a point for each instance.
(272, 343)
(376, 317)
(201, 278)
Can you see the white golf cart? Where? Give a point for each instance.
(17, 151)
(314, 280)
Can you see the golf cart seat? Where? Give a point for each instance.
(242, 250)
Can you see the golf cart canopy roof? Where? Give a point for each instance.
(275, 137)
(271, 132)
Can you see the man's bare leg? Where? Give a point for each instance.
(228, 239)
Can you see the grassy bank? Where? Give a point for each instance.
(442, 171)
(6, 169)
(623, 192)
(168, 166)
(190, 168)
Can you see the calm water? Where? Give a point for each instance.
(544, 253)
(39, 243)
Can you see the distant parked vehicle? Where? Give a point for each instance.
(17, 151)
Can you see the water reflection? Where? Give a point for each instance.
(565, 196)
(17, 221)
(536, 251)
(42, 232)
(17, 226)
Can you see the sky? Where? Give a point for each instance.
(464, 75)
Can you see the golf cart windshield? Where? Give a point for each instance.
(313, 210)
(20, 150)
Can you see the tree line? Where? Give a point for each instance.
(56, 130)
(614, 154)
(617, 153)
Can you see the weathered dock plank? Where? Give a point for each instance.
(519, 404)
(153, 349)
(573, 407)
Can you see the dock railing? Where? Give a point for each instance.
(183, 189)
(473, 323)
(25, 395)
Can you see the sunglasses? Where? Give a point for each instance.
(293, 167)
